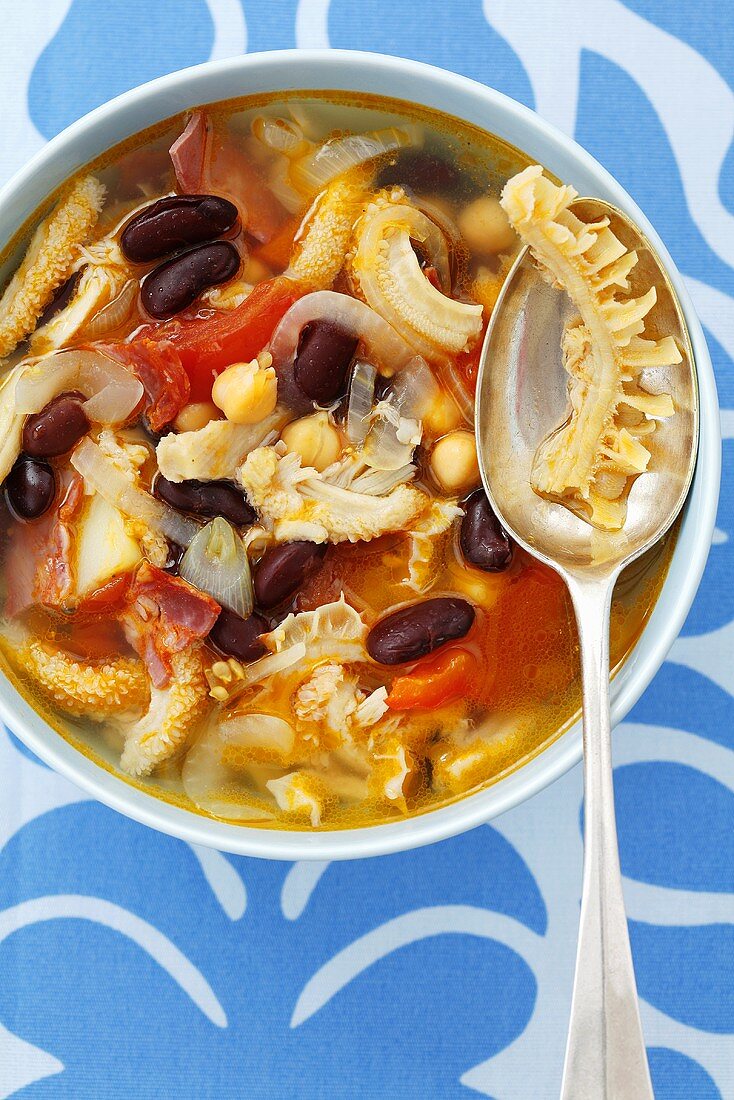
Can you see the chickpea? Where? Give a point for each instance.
(315, 439)
(196, 415)
(247, 392)
(454, 462)
(485, 228)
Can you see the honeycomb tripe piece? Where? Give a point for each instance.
(49, 261)
(321, 251)
(172, 717)
(97, 691)
(589, 462)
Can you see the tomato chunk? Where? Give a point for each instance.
(206, 345)
(434, 682)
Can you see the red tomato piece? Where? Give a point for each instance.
(111, 597)
(165, 615)
(434, 682)
(208, 344)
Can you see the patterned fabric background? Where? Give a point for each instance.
(132, 965)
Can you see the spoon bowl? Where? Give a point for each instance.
(522, 396)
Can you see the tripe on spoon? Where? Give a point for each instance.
(589, 463)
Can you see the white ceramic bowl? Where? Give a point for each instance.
(423, 84)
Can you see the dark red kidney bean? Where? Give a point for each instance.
(484, 542)
(325, 352)
(283, 570)
(414, 631)
(206, 498)
(57, 428)
(176, 283)
(290, 394)
(61, 298)
(426, 173)
(238, 637)
(176, 222)
(30, 487)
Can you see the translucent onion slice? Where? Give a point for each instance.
(382, 343)
(113, 485)
(215, 784)
(113, 392)
(457, 386)
(391, 439)
(312, 172)
(415, 390)
(113, 315)
(361, 397)
(273, 664)
(263, 733)
(282, 135)
(442, 216)
(216, 562)
(396, 430)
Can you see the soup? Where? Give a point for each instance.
(246, 557)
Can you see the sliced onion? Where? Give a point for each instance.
(361, 397)
(312, 172)
(113, 392)
(272, 664)
(214, 786)
(114, 486)
(443, 218)
(216, 562)
(314, 127)
(392, 438)
(113, 314)
(457, 387)
(284, 192)
(415, 390)
(380, 339)
(280, 134)
(396, 430)
(263, 732)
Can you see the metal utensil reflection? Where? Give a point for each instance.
(521, 397)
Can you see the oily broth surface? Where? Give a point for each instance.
(525, 632)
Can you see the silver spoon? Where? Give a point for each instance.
(521, 398)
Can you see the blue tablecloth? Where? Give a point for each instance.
(445, 972)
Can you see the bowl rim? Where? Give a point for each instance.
(393, 77)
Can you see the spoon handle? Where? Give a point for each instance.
(605, 1053)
